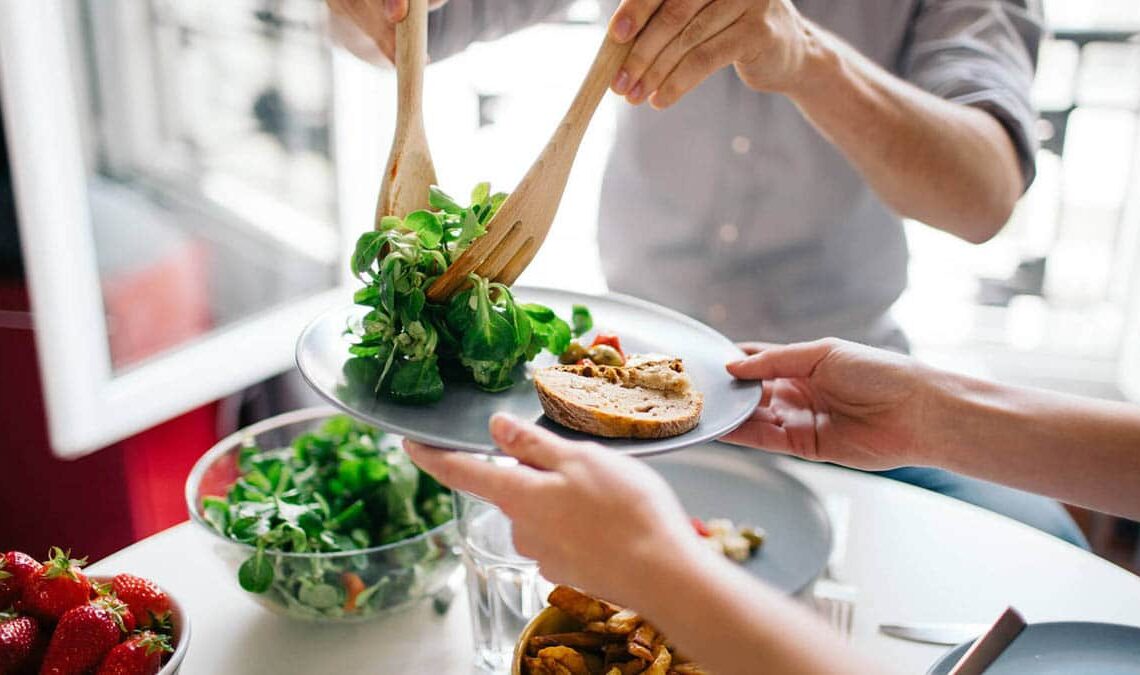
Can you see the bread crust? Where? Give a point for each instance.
(598, 421)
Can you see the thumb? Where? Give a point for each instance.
(528, 443)
(796, 360)
(396, 10)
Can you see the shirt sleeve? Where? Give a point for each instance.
(457, 24)
(981, 53)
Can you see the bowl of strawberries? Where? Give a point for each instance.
(56, 620)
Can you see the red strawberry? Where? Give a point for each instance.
(18, 638)
(147, 601)
(121, 610)
(83, 637)
(141, 654)
(56, 587)
(15, 570)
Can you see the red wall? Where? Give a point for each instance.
(97, 504)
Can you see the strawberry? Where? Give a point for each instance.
(18, 643)
(15, 570)
(56, 587)
(140, 654)
(83, 637)
(147, 601)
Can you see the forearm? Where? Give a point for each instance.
(951, 166)
(722, 618)
(1079, 450)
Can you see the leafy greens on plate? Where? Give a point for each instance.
(481, 334)
(341, 488)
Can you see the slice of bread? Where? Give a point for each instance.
(649, 397)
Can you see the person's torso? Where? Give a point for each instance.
(732, 208)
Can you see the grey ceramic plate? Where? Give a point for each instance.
(459, 420)
(719, 480)
(1062, 648)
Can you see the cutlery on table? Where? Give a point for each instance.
(832, 598)
(522, 222)
(989, 646)
(934, 633)
(410, 171)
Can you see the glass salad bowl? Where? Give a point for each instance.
(309, 556)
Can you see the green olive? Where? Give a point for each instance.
(753, 535)
(605, 355)
(573, 354)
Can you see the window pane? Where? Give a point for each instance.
(211, 175)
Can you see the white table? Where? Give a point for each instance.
(914, 555)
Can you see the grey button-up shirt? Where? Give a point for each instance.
(732, 208)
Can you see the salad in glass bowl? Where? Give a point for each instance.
(324, 518)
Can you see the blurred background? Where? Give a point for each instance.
(198, 168)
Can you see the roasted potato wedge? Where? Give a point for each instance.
(580, 640)
(623, 623)
(566, 657)
(581, 606)
(662, 659)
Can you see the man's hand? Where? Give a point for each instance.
(679, 43)
(363, 26)
(837, 401)
(592, 518)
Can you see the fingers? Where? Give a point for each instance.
(667, 23)
(529, 443)
(470, 473)
(763, 430)
(395, 10)
(630, 17)
(751, 348)
(797, 360)
(364, 28)
(700, 62)
(711, 20)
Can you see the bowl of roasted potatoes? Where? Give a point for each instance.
(583, 635)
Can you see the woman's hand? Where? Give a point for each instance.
(679, 43)
(839, 402)
(367, 28)
(591, 518)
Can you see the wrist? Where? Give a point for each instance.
(822, 61)
(680, 569)
(957, 409)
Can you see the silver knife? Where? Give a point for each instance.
(935, 633)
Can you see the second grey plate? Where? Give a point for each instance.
(459, 420)
(723, 481)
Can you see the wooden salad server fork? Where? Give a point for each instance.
(522, 222)
(410, 171)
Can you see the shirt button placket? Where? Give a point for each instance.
(728, 233)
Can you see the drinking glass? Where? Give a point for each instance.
(504, 588)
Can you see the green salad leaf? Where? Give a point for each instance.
(482, 333)
(340, 488)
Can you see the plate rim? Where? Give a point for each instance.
(473, 448)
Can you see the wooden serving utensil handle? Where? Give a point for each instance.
(410, 170)
(411, 59)
(602, 72)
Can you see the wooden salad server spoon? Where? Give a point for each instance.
(410, 171)
(523, 221)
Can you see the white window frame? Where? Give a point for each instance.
(89, 405)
